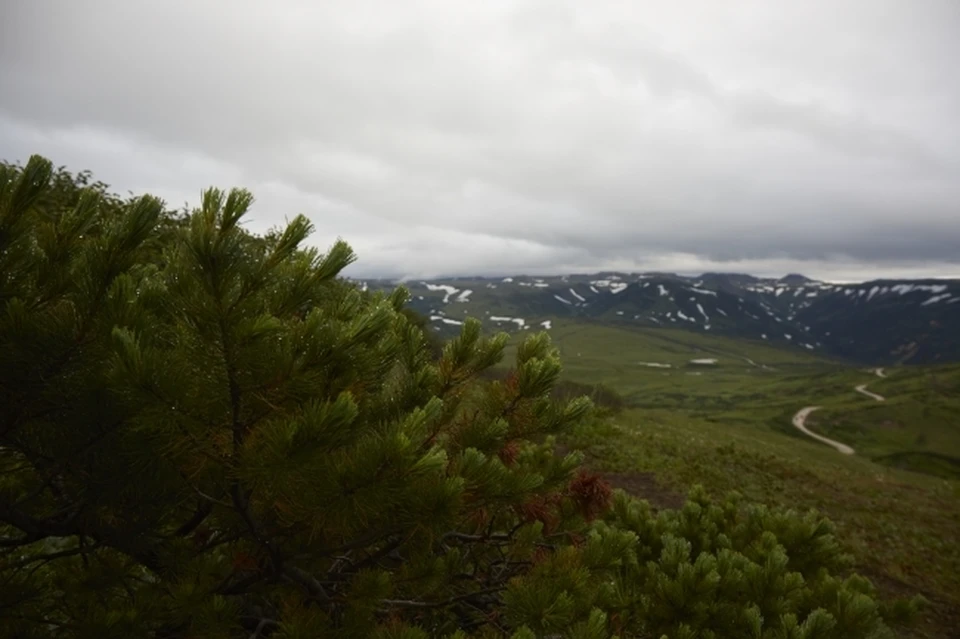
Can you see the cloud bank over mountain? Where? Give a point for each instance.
(534, 136)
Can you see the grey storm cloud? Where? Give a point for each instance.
(456, 137)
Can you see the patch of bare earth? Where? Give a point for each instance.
(645, 486)
(637, 484)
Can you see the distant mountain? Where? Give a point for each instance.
(879, 322)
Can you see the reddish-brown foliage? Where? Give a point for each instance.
(591, 493)
(542, 508)
(508, 454)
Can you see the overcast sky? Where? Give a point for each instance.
(444, 137)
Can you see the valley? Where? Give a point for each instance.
(765, 400)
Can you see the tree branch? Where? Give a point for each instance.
(263, 625)
(308, 581)
(409, 603)
(241, 505)
(204, 509)
(52, 556)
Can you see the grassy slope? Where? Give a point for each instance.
(757, 385)
(729, 428)
(917, 427)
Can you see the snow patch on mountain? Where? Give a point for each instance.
(519, 321)
(445, 320)
(903, 289)
(562, 299)
(611, 283)
(577, 295)
(449, 290)
(935, 299)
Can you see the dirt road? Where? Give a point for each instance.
(800, 423)
(862, 389)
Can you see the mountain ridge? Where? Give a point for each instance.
(882, 321)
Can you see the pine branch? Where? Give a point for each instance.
(80, 550)
(209, 498)
(366, 540)
(23, 541)
(373, 558)
(38, 529)
(453, 534)
(242, 507)
(239, 587)
(410, 603)
(34, 528)
(308, 581)
(219, 540)
(204, 509)
(262, 625)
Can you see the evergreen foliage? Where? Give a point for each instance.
(204, 433)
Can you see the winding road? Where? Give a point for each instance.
(800, 423)
(800, 419)
(862, 389)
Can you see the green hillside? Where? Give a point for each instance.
(741, 382)
(727, 425)
(916, 427)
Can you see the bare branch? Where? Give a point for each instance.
(81, 550)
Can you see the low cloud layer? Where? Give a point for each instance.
(444, 137)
